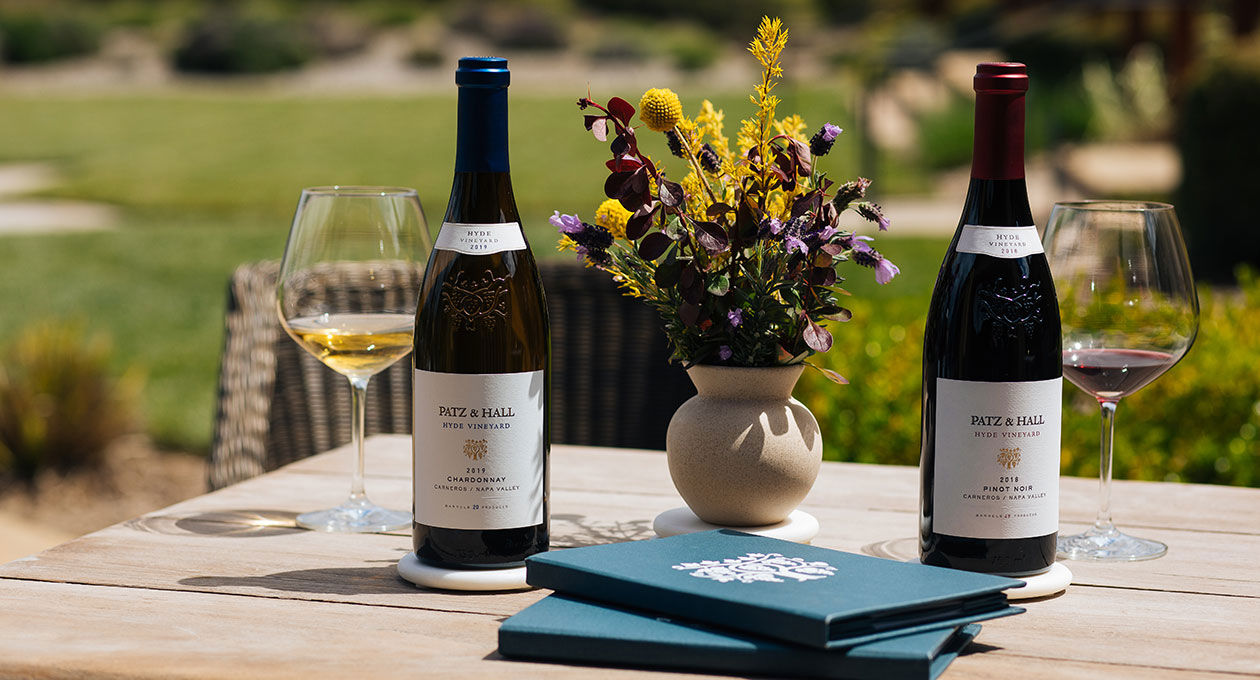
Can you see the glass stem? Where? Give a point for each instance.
(1102, 523)
(358, 415)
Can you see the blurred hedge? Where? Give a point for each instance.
(60, 406)
(1217, 136)
(31, 37)
(1200, 422)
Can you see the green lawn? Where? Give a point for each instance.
(208, 181)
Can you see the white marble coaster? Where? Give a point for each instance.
(429, 576)
(799, 527)
(1054, 581)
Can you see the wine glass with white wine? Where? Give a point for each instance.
(347, 294)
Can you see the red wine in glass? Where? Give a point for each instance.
(1114, 373)
(1128, 311)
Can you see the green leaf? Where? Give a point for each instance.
(720, 285)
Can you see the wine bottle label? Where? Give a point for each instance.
(480, 239)
(997, 458)
(479, 449)
(1004, 242)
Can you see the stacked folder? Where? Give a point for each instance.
(726, 601)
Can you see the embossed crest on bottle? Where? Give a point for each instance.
(471, 302)
(1012, 308)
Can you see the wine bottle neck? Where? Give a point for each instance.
(481, 198)
(999, 136)
(482, 136)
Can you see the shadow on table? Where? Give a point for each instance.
(576, 531)
(329, 581)
(226, 523)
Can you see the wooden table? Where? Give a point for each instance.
(223, 586)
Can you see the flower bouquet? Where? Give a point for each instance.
(741, 260)
(741, 256)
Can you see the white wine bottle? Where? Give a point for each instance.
(482, 357)
(992, 366)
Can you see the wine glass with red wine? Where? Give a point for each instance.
(1129, 312)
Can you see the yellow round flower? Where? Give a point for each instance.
(612, 216)
(660, 109)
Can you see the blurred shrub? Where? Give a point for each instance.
(1055, 57)
(227, 42)
(1198, 423)
(736, 19)
(618, 48)
(693, 49)
(1053, 114)
(945, 134)
(1217, 136)
(30, 38)
(517, 27)
(59, 405)
(1131, 103)
(425, 56)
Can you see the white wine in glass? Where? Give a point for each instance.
(347, 294)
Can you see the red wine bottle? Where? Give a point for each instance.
(481, 420)
(992, 364)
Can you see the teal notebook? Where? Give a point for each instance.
(562, 628)
(800, 594)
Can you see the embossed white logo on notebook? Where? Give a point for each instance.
(759, 567)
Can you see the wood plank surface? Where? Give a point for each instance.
(199, 589)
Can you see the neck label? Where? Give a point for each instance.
(1004, 242)
(480, 239)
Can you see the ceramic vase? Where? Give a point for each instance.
(743, 452)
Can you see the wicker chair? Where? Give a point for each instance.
(612, 384)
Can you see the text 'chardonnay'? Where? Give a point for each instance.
(482, 353)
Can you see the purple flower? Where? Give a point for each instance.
(874, 213)
(567, 224)
(820, 143)
(724, 353)
(795, 243)
(885, 271)
(771, 226)
(857, 243)
(736, 317)
(826, 233)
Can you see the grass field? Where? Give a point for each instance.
(206, 182)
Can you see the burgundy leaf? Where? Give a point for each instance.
(712, 237)
(687, 278)
(640, 222)
(718, 209)
(615, 185)
(622, 109)
(822, 276)
(620, 145)
(639, 180)
(654, 245)
(600, 129)
(817, 337)
(689, 313)
(590, 120)
(802, 156)
(671, 193)
(624, 164)
(841, 315)
(832, 375)
(832, 249)
(668, 272)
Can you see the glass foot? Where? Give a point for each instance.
(1109, 545)
(355, 516)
